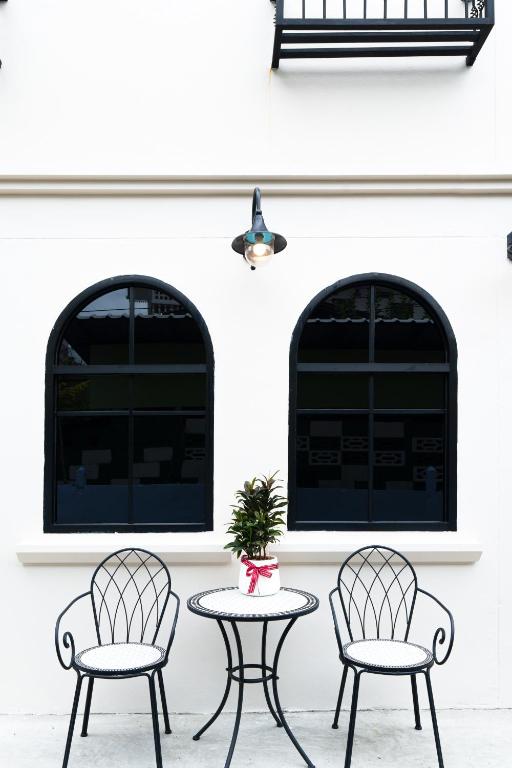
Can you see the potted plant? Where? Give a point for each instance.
(257, 522)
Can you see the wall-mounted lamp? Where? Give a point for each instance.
(258, 244)
(509, 246)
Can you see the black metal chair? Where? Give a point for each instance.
(129, 596)
(377, 589)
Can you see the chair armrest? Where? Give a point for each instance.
(336, 625)
(440, 633)
(67, 638)
(175, 621)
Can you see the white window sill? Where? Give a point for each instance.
(332, 547)
(90, 548)
(301, 547)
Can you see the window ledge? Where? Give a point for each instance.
(420, 547)
(90, 548)
(297, 547)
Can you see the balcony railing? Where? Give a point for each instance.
(321, 29)
(1, 1)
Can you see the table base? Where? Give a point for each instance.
(268, 675)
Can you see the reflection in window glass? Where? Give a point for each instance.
(408, 468)
(92, 469)
(337, 328)
(165, 332)
(169, 468)
(93, 393)
(332, 468)
(98, 334)
(332, 390)
(410, 390)
(178, 391)
(404, 331)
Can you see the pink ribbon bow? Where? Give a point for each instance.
(255, 571)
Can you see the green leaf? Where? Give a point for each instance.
(257, 517)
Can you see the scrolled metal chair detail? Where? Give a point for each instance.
(130, 598)
(377, 591)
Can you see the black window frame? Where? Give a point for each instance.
(449, 369)
(53, 370)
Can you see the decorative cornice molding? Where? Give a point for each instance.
(273, 185)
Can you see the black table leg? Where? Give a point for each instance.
(226, 690)
(276, 696)
(240, 694)
(264, 675)
(268, 673)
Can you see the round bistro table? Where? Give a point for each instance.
(229, 606)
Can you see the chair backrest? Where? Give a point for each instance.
(130, 590)
(377, 588)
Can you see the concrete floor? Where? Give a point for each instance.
(471, 739)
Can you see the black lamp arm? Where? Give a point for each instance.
(256, 202)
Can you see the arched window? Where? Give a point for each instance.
(373, 410)
(129, 412)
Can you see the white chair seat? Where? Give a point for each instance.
(120, 657)
(384, 654)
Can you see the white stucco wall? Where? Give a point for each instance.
(113, 88)
(185, 87)
(54, 248)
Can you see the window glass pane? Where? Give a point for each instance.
(332, 390)
(337, 329)
(150, 392)
(98, 334)
(92, 469)
(410, 390)
(164, 331)
(332, 468)
(408, 469)
(404, 330)
(169, 469)
(92, 393)
(176, 391)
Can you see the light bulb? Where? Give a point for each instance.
(259, 252)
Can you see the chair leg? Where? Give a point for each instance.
(352, 725)
(87, 710)
(164, 701)
(417, 717)
(72, 721)
(154, 715)
(340, 696)
(434, 719)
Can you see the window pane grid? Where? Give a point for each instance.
(383, 411)
(95, 385)
(371, 430)
(106, 370)
(403, 368)
(408, 399)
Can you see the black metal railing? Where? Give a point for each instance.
(2, 1)
(359, 28)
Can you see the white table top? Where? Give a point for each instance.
(230, 603)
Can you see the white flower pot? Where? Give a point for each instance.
(259, 578)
